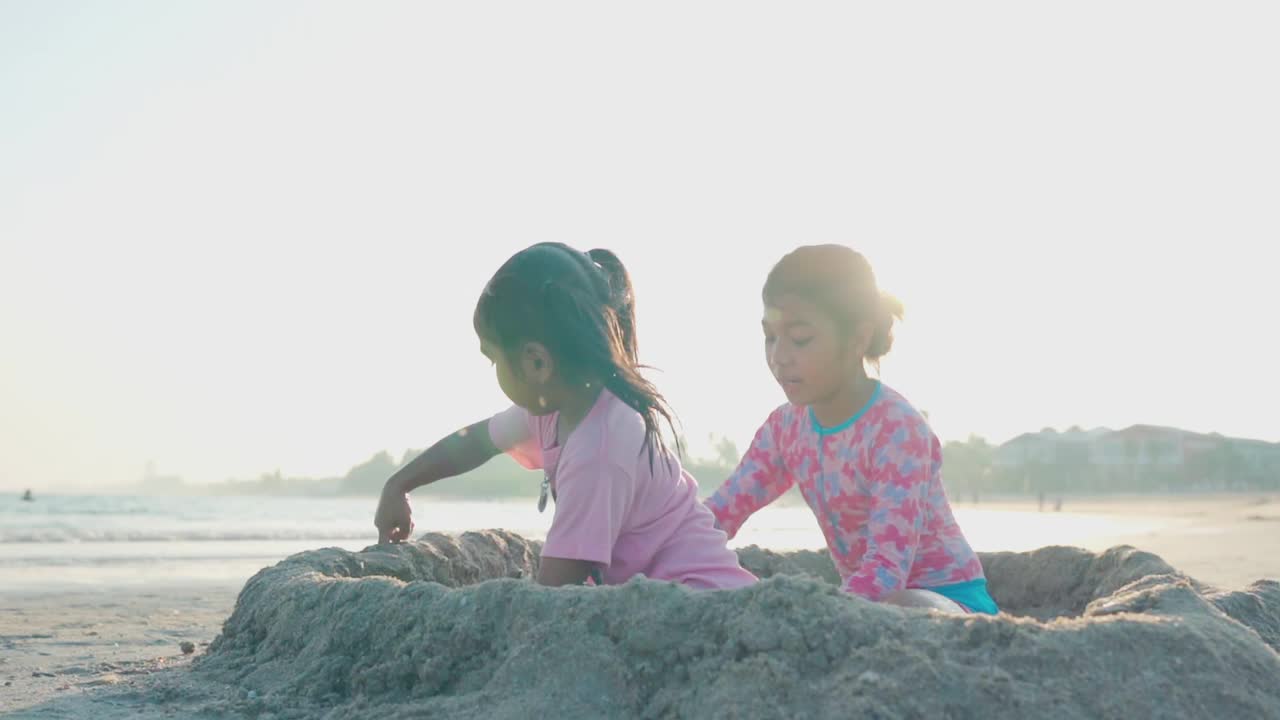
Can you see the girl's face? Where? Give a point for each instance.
(527, 385)
(809, 355)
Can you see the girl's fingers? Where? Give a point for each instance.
(395, 533)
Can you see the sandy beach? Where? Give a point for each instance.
(59, 643)
(1225, 540)
(62, 648)
(962, 308)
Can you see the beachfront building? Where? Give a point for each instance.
(1141, 458)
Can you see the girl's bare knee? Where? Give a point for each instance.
(927, 599)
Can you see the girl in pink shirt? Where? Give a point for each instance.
(559, 327)
(865, 460)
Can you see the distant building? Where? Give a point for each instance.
(1140, 457)
(153, 483)
(1046, 447)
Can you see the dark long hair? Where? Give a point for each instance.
(840, 281)
(582, 308)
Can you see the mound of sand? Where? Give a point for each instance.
(359, 635)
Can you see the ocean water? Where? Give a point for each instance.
(87, 541)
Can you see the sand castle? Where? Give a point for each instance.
(1113, 635)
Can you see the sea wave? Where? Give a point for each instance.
(117, 535)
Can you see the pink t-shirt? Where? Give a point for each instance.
(611, 509)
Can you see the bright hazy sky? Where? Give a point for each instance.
(241, 236)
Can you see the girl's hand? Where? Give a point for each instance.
(394, 517)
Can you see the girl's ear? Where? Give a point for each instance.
(536, 364)
(859, 342)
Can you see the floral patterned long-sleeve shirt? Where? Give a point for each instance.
(874, 484)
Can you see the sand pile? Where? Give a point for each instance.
(353, 635)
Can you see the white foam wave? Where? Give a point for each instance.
(78, 535)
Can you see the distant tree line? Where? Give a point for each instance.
(1044, 462)
(500, 477)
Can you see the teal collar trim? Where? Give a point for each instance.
(817, 426)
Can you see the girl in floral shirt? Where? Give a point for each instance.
(866, 461)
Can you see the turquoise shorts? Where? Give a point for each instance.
(971, 595)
